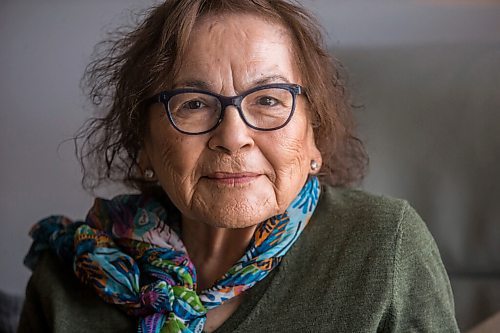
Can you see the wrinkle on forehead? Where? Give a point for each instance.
(265, 47)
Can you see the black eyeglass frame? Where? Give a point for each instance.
(225, 101)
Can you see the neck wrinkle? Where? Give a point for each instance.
(213, 250)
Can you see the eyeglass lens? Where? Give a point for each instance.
(263, 109)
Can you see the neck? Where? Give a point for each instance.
(213, 250)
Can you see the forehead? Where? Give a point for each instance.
(244, 47)
(238, 22)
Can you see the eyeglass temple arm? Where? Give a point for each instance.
(152, 100)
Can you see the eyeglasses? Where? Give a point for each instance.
(264, 108)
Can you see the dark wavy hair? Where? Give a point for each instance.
(132, 65)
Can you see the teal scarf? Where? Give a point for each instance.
(128, 251)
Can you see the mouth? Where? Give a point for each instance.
(228, 178)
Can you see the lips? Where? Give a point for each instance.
(231, 178)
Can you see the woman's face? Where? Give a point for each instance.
(233, 176)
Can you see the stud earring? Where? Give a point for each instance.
(314, 165)
(149, 174)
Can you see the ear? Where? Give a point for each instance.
(314, 155)
(316, 161)
(144, 162)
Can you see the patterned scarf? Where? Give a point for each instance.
(128, 251)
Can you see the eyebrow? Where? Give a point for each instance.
(204, 85)
(199, 84)
(269, 79)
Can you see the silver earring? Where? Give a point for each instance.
(314, 165)
(149, 173)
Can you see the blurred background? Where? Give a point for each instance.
(425, 73)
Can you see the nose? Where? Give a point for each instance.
(232, 135)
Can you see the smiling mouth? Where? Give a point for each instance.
(226, 178)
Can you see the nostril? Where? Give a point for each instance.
(221, 149)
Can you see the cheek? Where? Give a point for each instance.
(166, 146)
(289, 154)
(176, 171)
(292, 160)
(169, 154)
(290, 146)
(161, 149)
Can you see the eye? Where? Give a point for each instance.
(193, 105)
(267, 101)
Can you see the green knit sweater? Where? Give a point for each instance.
(364, 263)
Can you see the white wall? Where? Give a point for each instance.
(45, 45)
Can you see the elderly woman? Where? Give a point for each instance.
(233, 123)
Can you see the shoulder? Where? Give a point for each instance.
(367, 219)
(56, 300)
(355, 234)
(384, 257)
(357, 204)
(367, 229)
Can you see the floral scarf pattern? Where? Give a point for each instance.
(128, 252)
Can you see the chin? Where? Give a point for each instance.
(238, 216)
(234, 208)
